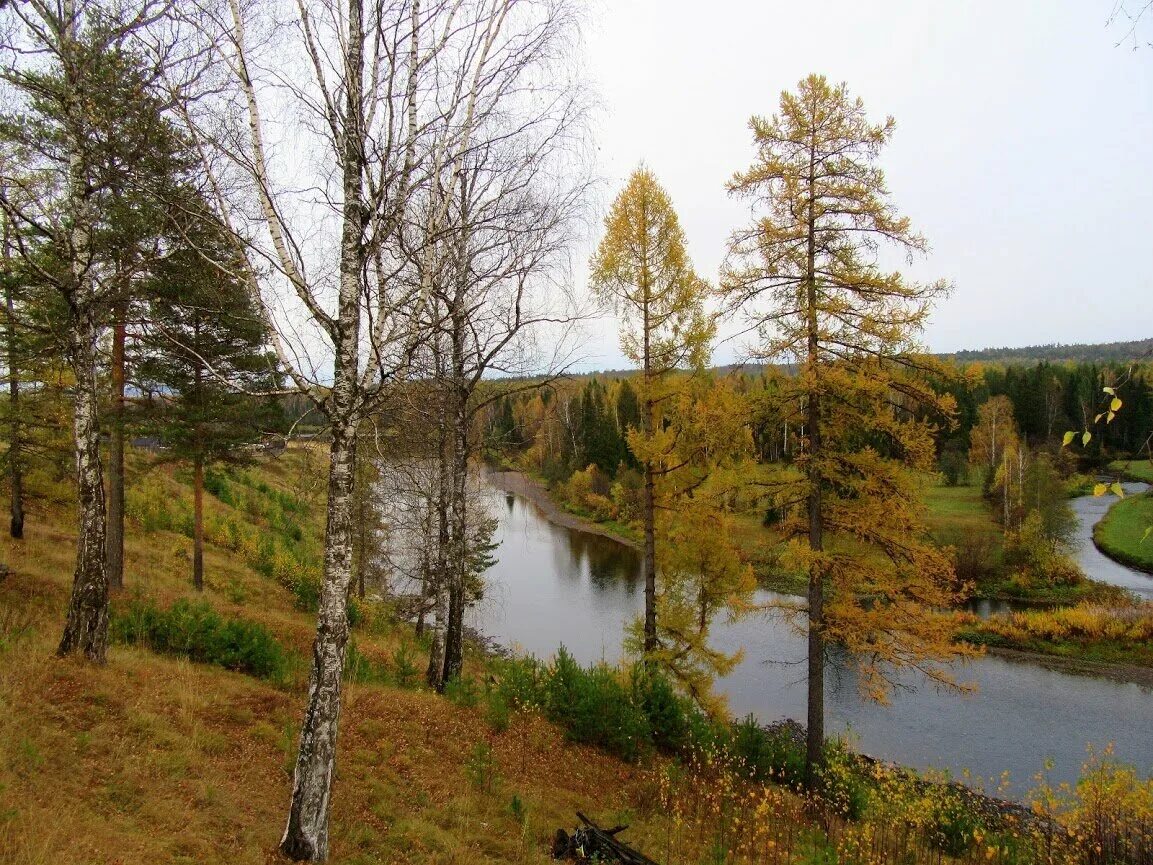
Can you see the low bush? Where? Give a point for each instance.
(196, 631)
(404, 670)
(770, 753)
(594, 706)
(362, 669)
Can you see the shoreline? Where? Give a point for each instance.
(511, 481)
(1127, 674)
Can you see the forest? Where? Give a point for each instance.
(286, 286)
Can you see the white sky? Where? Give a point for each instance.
(1022, 149)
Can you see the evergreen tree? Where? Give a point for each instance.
(95, 156)
(208, 346)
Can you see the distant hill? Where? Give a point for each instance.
(1102, 352)
(1099, 352)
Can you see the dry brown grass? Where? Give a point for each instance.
(152, 759)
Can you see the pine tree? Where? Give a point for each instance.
(95, 154)
(207, 347)
(805, 274)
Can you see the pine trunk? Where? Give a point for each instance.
(115, 543)
(86, 629)
(15, 431)
(198, 523)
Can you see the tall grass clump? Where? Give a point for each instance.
(197, 632)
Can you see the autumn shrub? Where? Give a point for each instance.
(627, 493)
(196, 631)
(844, 787)
(1036, 559)
(1107, 816)
(589, 491)
(520, 682)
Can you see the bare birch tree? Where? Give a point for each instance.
(386, 101)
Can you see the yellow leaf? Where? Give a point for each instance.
(1069, 436)
(1115, 405)
(1085, 438)
(1118, 490)
(1109, 391)
(1100, 489)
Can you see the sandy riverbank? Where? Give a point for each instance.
(535, 492)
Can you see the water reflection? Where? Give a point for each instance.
(554, 586)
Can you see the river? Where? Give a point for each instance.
(553, 585)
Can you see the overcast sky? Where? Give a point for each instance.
(1022, 151)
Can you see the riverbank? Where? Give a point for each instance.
(1130, 674)
(530, 488)
(1097, 656)
(1122, 534)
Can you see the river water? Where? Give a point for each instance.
(555, 586)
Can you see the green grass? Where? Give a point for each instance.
(1141, 470)
(1121, 535)
(957, 509)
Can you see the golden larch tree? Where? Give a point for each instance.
(807, 276)
(642, 269)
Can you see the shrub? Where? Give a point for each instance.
(199, 633)
(954, 825)
(404, 670)
(676, 725)
(481, 767)
(843, 787)
(594, 707)
(769, 753)
(461, 691)
(497, 712)
(520, 682)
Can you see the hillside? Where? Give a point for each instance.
(1101, 352)
(155, 759)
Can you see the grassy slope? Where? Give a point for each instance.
(1141, 470)
(153, 759)
(1121, 534)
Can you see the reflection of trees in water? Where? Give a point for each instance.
(611, 564)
